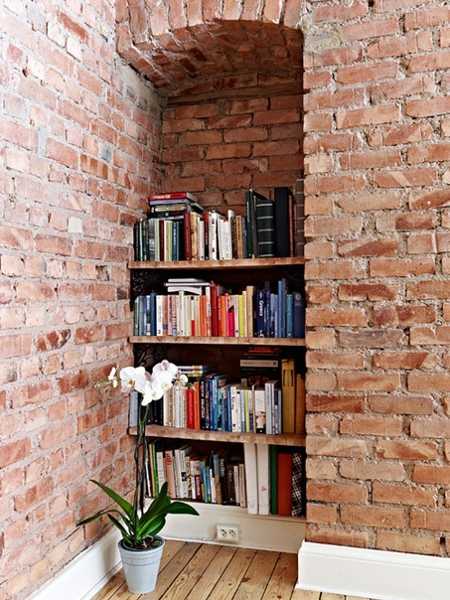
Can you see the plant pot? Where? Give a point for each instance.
(141, 567)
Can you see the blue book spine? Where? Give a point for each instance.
(267, 296)
(279, 330)
(289, 315)
(274, 316)
(299, 315)
(141, 315)
(260, 309)
(153, 313)
(136, 316)
(229, 428)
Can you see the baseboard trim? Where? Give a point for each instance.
(376, 574)
(86, 574)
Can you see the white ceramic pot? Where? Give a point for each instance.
(141, 567)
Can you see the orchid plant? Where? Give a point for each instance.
(139, 527)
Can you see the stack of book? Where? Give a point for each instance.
(269, 399)
(275, 480)
(178, 228)
(194, 307)
(215, 478)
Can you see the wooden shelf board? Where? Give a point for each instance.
(284, 439)
(218, 341)
(235, 263)
(231, 508)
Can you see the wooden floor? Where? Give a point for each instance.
(208, 572)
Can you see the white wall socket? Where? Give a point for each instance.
(227, 533)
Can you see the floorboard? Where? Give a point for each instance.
(208, 572)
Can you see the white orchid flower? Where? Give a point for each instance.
(152, 392)
(112, 377)
(133, 379)
(165, 367)
(183, 379)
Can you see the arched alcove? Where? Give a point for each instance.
(230, 76)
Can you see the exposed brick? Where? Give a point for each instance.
(392, 540)
(374, 516)
(407, 450)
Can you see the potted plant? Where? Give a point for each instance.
(141, 547)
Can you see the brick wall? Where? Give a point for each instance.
(378, 147)
(220, 147)
(78, 136)
(377, 153)
(78, 133)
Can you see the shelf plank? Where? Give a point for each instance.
(283, 439)
(218, 341)
(235, 263)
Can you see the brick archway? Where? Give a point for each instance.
(176, 45)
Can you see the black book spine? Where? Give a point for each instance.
(265, 229)
(282, 225)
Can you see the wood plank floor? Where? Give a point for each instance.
(208, 572)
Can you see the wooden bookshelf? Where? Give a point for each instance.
(217, 341)
(235, 263)
(284, 439)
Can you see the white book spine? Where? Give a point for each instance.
(251, 477)
(262, 459)
(160, 468)
(159, 315)
(182, 315)
(208, 309)
(268, 405)
(157, 253)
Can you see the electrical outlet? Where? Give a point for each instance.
(227, 533)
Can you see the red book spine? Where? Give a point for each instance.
(196, 405)
(169, 196)
(214, 311)
(187, 235)
(220, 315)
(231, 317)
(205, 220)
(284, 488)
(190, 408)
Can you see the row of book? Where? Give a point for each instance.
(194, 307)
(269, 480)
(177, 227)
(213, 478)
(275, 480)
(269, 398)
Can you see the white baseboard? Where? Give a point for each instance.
(86, 574)
(376, 574)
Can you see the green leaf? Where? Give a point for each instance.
(151, 528)
(97, 515)
(121, 528)
(181, 508)
(158, 506)
(124, 504)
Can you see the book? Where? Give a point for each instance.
(262, 452)
(300, 404)
(273, 474)
(298, 494)
(251, 476)
(282, 216)
(284, 483)
(288, 390)
(265, 226)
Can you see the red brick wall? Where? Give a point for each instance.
(377, 154)
(377, 145)
(78, 132)
(220, 147)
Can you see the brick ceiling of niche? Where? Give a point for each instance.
(190, 60)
